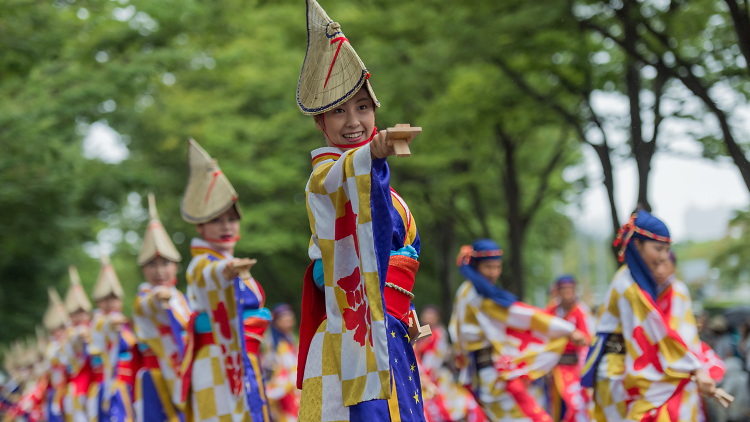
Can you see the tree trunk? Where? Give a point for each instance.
(445, 245)
(513, 279)
(741, 27)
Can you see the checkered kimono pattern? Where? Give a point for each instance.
(525, 342)
(75, 351)
(160, 331)
(104, 346)
(54, 361)
(216, 383)
(348, 362)
(655, 369)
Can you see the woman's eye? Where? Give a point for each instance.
(363, 107)
(338, 110)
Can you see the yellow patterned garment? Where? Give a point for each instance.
(74, 350)
(348, 359)
(216, 384)
(657, 362)
(526, 342)
(159, 331)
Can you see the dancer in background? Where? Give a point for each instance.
(221, 364)
(75, 350)
(502, 344)
(280, 363)
(160, 317)
(675, 304)
(569, 402)
(356, 359)
(640, 366)
(57, 322)
(113, 349)
(449, 400)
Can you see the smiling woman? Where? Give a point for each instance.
(364, 249)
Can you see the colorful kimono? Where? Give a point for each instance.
(280, 361)
(356, 361)
(639, 365)
(570, 402)
(160, 334)
(502, 348)
(675, 303)
(58, 382)
(656, 363)
(79, 372)
(221, 365)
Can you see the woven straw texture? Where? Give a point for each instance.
(156, 242)
(332, 72)
(75, 298)
(56, 315)
(107, 283)
(208, 193)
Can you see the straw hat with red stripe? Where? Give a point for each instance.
(208, 193)
(332, 72)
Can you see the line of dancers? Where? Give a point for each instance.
(207, 355)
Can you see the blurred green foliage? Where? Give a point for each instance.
(224, 72)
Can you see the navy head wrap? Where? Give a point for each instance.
(644, 226)
(565, 280)
(469, 257)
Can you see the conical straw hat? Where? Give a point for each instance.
(56, 315)
(156, 242)
(208, 193)
(332, 72)
(76, 299)
(41, 340)
(8, 361)
(107, 283)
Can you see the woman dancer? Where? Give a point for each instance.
(160, 317)
(502, 344)
(228, 319)
(639, 363)
(356, 360)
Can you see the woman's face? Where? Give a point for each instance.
(349, 123)
(490, 269)
(110, 304)
(223, 231)
(80, 317)
(655, 254)
(160, 271)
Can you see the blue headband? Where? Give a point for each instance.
(642, 225)
(483, 249)
(566, 279)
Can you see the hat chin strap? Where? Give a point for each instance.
(212, 240)
(347, 146)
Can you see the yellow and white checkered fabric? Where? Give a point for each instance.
(525, 342)
(639, 382)
(341, 371)
(152, 327)
(211, 396)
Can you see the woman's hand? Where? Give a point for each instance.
(578, 338)
(230, 272)
(706, 384)
(380, 146)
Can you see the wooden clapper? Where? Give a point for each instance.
(401, 135)
(417, 331)
(243, 267)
